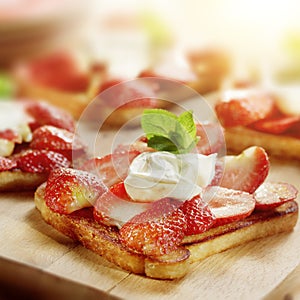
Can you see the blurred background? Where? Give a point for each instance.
(261, 37)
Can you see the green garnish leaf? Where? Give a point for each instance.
(6, 86)
(167, 132)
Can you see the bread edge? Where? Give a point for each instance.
(17, 180)
(279, 146)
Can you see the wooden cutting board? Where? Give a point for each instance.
(250, 271)
(34, 254)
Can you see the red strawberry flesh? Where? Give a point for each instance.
(68, 190)
(241, 108)
(46, 114)
(272, 194)
(247, 171)
(157, 231)
(198, 216)
(57, 139)
(111, 168)
(40, 161)
(228, 205)
(7, 164)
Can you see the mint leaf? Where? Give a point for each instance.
(161, 143)
(167, 132)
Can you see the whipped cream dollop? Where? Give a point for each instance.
(155, 175)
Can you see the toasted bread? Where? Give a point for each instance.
(240, 138)
(17, 180)
(104, 240)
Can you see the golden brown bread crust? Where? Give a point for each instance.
(16, 180)
(104, 240)
(284, 147)
(74, 103)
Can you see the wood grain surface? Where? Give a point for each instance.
(264, 268)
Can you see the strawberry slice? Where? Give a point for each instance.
(198, 215)
(276, 125)
(111, 168)
(46, 114)
(219, 171)
(243, 107)
(11, 135)
(7, 164)
(130, 94)
(157, 231)
(40, 161)
(246, 171)
(59, 70)
(228, 205)
(58, 140)
(211, 138)
(115, 208)
(272, 194)
(68, 190)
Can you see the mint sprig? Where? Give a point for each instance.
(167, 132)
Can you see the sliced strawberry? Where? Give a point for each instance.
(241, 108)
(40, 161)
(157, 231)
(272, 194)
(211, 138)
(59, 70)
(115, 208)
(11, 135)
(68, 190)
(46, 114)
(228, 205)
(276, 125)
(198, 215)
(246, 171)
(111, 168)
(219, 172)
(7, 164)
(130, 94)
(58, 140)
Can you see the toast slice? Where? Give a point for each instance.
(239, 138)
(16, 180)
(104, 240)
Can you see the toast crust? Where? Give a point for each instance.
(284, 147)
(16, 180)
(104, 240)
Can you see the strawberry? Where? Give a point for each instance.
(241, 108)
(59, 70)
(272, 194)
(7, 164)
(128, 94)
(219, 171)
(228, 205)
(115, 208)
(198, 216)
(58, 140)
(68, 190)
(276, 125)
(11, 135)
(157, 231)
(40, 161)
(247, 171)
(211, 138)
(111, 168)
(46, 114)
